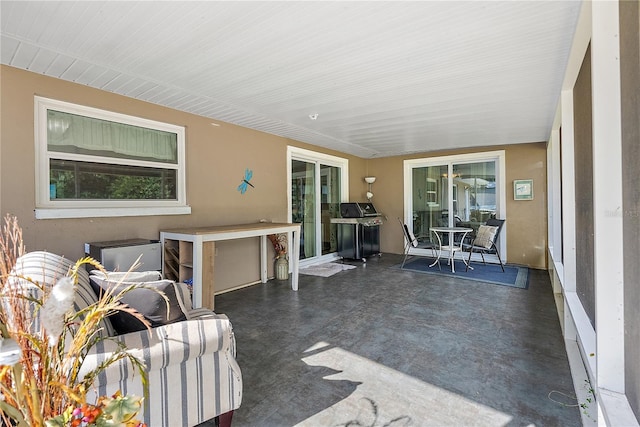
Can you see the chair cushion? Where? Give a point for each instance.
(485, 236)
(147, 302)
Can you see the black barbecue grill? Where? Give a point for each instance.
(358, 231)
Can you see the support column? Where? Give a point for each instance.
(607, 196)
(568, 193)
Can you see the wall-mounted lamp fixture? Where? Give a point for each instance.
(369, 180)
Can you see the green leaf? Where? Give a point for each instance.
(55, 422)
(122, 408)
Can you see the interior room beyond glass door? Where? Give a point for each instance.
(466, 190)
(475, 185)
(303, 205)
(430, 200)
(329, 207)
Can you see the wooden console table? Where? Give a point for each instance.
(189, 253)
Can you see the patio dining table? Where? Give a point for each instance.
(451, 244)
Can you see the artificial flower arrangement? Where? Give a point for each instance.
(279, 242)
(116, 410)
(42, 386)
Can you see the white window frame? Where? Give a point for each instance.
(50, 209)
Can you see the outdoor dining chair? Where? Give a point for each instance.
(484, 241)
(411, 241)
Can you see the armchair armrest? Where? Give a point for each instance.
(165, 345)
(190, 365)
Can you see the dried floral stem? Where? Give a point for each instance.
(279, 242)
(47, 379)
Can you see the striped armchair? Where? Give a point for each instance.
(192, 372)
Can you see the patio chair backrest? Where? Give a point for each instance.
(493, 222)
(408, 234)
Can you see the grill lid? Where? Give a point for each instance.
(357, 210)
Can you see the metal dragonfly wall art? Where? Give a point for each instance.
(242, 188)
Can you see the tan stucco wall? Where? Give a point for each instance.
(526, 220)
(216, 159)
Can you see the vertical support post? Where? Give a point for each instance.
(607, 196)
(568, 193)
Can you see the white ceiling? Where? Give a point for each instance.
(385, 78)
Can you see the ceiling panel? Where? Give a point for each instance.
(385, 78)
(59, 65)
(102, 77)
(42, 61)
(24, 55)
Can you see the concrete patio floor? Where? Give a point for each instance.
(377, 346)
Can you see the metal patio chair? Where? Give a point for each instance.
(412, 241)
(484, 241)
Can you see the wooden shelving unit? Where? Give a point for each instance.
(178, 260)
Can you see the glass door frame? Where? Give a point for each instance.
(497, 156)
(301, 154)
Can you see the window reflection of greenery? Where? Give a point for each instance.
(77, 180)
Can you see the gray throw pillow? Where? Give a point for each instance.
(147, 302)
(485, 236)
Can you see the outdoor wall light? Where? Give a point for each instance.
(369, 180)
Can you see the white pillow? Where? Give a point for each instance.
(128, 276)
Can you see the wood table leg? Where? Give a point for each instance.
(208, 287)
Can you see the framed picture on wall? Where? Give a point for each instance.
(523, 189)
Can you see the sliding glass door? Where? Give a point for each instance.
(450, 191)
(329, 207)
(303, 203)
(317, 186)
(430, 200)
(474, 187)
